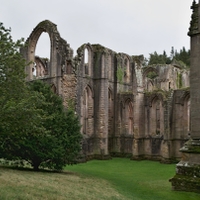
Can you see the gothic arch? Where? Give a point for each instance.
(156, 117)
(149, 69)
(128, 116)
(86, 51)
(185, 101)
(60, 51)
(156, 96)
(184, 97)
(87, 111)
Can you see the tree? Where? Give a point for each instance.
(12, 66)
(181, 58)
(49, 137)
(34, 125)
(155, 58)
(62, 144)
(12, 89)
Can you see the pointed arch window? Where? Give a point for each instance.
(129, 117)
(86, 61)
(156, 117)
(126, 70)
(42, 56)
(87, 111)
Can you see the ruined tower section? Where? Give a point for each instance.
(187, 176)
(121, 140)
(59, 71)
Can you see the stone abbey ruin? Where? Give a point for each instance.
(125, 109)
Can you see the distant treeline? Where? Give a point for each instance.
(181, 58)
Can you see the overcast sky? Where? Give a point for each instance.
(131, 26)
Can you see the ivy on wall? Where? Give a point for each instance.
(120, 74)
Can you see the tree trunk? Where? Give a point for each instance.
(36, 164)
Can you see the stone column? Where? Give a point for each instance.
(101, 109)
(187, 176)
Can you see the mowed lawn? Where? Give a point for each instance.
(136, 180)
(116, 179)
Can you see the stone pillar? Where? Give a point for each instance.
(139, 121)
(187, 176)
(101, 109)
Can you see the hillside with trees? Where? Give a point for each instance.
(181, 58)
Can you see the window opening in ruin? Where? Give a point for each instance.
(43, 46)
(156, 117)
(42, 55)
(86, 56)
(87, 111)
(86, 60)
(34, 71)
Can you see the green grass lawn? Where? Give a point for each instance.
(136, 180)
(116, 179)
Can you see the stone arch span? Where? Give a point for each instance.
(60, 50)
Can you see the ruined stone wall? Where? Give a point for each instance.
(165, 77)
(69, 84)
(125, 109)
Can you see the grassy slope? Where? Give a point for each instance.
(116, 179)
(29, 185)
(136, 180)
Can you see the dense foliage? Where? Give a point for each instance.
(61, 144)
(181, 58)
(34, 125)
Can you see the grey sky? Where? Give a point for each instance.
(130, 26)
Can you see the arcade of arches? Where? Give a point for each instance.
(125, 109)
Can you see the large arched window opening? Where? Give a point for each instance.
(87, 111)
(42, 56)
